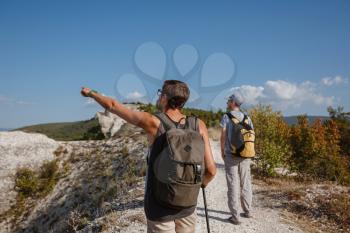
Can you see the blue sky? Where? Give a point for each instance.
(291, 54)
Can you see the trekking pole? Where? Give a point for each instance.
(205, 209)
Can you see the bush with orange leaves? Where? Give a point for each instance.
(316, 151)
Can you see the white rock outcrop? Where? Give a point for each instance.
(20, 149)
(111, 123)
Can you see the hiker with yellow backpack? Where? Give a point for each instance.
(237, 149)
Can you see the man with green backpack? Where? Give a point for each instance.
(237, 149)
(180, 160)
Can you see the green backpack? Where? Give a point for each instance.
(178, 168)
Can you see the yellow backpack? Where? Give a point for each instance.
(242, 137)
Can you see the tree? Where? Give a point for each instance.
(342, 119)
(272, 135)
(302, 143)
(316, 151)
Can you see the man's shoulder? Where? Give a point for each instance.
(240, 116)
(237, 114)
(225, 116)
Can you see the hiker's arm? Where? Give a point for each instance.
(141, 119)
(210, 167)
(222, 141)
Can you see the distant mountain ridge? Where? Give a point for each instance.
(4, 129)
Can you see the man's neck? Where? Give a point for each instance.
(235, 109)
(173, 113)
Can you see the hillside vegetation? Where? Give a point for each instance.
(68, 131)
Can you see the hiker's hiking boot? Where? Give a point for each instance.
(233, 220)
(246, 215)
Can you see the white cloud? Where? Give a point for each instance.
(11, 101)
(4, 99)
(283, 95)
(90, 101)
(21, 102)
(251, 94)
(135, 96)
(329, 81)
(280, 89)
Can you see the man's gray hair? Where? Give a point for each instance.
(237, 98)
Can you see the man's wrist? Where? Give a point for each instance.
(91, 92)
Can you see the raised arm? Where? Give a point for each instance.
(210, 167)
(141, 119)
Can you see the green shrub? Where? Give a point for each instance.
(31, 183)
(26, 182)
(94, 133)
(48, 176)
(272, 146)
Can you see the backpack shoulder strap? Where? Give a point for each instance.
(229, 115)
(233, 118)
(244, 124)
(167, 123)
(192, 123)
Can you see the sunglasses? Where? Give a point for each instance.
(159, 92)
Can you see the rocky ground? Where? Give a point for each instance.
(19, 149)
(92, 179)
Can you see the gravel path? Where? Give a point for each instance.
(264, 218)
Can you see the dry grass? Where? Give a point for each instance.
(323, 207)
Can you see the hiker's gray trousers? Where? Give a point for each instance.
(239, 186)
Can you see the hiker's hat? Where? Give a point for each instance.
(237, 98)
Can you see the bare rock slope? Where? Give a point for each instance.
(92, 179)
(19, 149)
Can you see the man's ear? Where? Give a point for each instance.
(165, 101)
